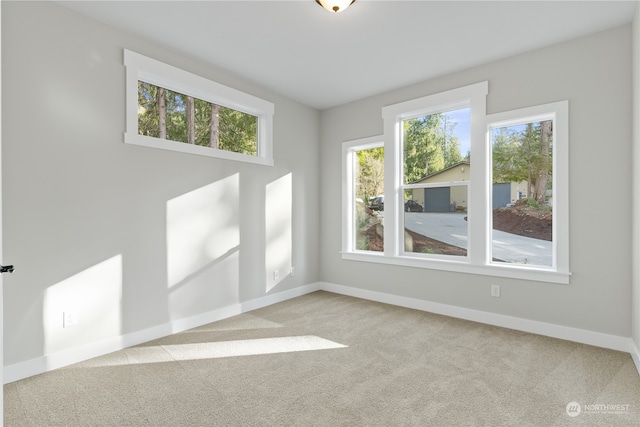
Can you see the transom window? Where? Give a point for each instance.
(175, 110)
(165, 114)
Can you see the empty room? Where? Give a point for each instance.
(329, 213)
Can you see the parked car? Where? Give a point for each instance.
(412, 206)
(376, 203)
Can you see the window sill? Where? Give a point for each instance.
(164, 144)
(509, 271)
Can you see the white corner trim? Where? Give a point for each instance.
(73, 355)
(635, 355)
(567, 333)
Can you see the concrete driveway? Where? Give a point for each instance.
(451, 228)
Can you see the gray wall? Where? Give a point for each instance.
(594, 74)
(85, 215)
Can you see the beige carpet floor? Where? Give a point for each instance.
(331, 360)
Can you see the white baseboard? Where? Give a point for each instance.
(597, 339)
(70, 356)
(77, 354)
(60, 359)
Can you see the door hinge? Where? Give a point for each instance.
(6, 269)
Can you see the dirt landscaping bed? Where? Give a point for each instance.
(525, 221)
(421, 244)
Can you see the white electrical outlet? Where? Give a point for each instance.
(276, 274)
(69, 318)
(495, 291)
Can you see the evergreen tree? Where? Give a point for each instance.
(369, 173)
(163, 113)
(429, 146)
(524, 154)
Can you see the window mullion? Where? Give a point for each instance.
(392, 161)
(479, 187)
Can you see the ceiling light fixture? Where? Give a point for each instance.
(335, 5)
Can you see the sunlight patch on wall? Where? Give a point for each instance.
(211, 288)
(202, 226)
(93, 299)
(278, 250)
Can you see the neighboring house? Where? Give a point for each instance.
(449, 198)
(507, 193)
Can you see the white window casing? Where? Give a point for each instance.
(143, 68)
(558, 112)
(478, 259)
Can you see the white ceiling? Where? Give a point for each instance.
(297, 49)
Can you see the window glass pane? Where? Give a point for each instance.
(238, 131)
(435, 219)
(369, 199)
(175, 115)
(434, 143)
(522, 193)
(148, 120)
(170, 115)
(436, 150)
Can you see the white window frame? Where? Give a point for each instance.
(559, 113)
(478, 259)
(143, 68)
(349, 158)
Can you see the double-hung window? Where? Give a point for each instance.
(173, 109)
(465, 191)
(434, 185)
(528, 157)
